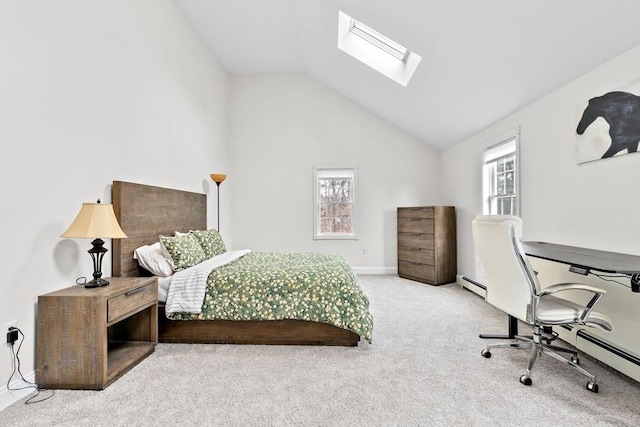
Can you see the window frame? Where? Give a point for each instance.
(327, 172)
(488, 173)
(379, 40)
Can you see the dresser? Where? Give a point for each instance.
(427, 244)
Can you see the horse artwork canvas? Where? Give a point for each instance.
(608, 126)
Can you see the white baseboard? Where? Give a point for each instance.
(9, 397)
(375, 270)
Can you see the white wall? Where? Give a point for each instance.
(281, 126)
(594, 205)
(93, 92)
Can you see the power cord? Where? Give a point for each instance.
(15, 362)
(610, 278)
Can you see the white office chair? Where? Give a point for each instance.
(512, 286)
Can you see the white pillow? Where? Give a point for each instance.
(152, 259)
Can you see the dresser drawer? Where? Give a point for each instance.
(415, 213)
(420, 255)
(415, 225)
(415, 240)
(417, 270)
(120, 305)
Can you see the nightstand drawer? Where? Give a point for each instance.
(125, 303)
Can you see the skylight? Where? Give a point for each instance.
(377, 39)
(376, 50)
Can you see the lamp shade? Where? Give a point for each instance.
(94, 221)
(218, 177)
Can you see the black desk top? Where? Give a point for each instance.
(591, 259)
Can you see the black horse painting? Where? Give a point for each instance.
(622, 111)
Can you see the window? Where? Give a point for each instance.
(376, 50)
(377, 39)
(334, 203)
(500, 176)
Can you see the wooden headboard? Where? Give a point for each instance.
(145, 212)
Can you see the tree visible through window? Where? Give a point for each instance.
(500, 185)
(335, 207)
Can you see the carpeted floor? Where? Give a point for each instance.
(423, 368)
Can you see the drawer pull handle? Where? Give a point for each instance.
(135, 291)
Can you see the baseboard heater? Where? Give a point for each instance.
(472, 285)
(617, 358)
(473, 282)
(606, 346)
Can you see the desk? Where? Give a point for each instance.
(580, 261)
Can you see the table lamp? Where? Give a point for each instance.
(95, 221)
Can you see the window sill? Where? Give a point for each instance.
(335, 237)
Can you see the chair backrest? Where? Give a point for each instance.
(511, 282)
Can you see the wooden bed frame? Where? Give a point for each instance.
(144, 212)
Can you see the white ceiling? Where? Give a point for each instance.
(482, 60)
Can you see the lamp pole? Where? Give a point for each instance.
(218, 184)
(218, 178)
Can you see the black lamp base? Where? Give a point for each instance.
(97, 253)
(96, 283)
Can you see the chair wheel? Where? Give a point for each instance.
(592, 387)
(485, 353)
(525, 380)
(575, 360)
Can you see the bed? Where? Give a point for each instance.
(145, 212)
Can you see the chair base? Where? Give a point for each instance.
(513, 331)
(538, 348)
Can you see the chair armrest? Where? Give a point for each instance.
(570, 287)
(597, 294)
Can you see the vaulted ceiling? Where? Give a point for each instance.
(481, 59)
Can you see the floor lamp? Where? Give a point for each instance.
(218, 178)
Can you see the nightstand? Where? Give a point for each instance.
(89, 337)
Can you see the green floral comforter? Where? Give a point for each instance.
(277, 286)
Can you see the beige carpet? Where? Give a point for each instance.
(424, 368)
